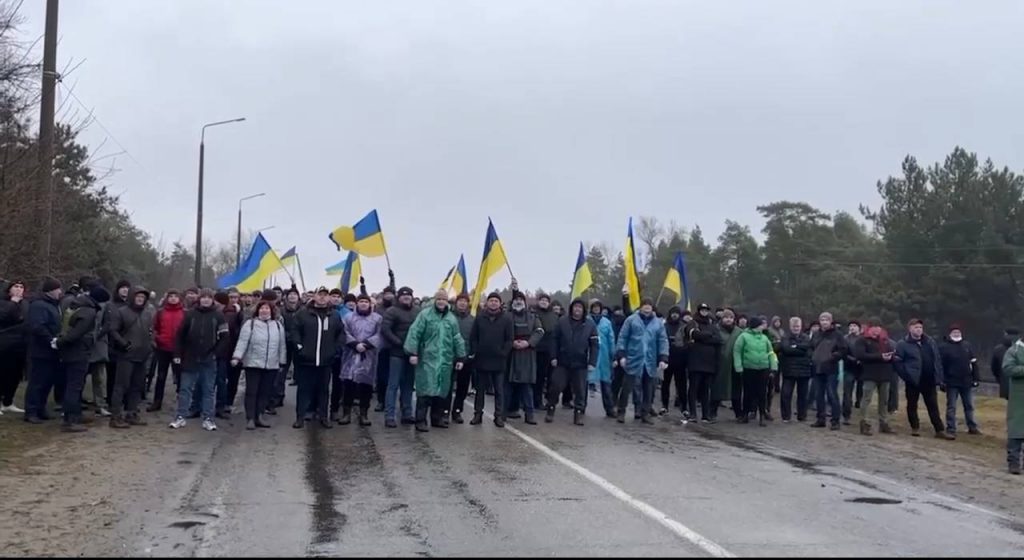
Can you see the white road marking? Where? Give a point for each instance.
(680, 530)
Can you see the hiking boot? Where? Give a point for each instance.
(364, 417)
(390, 423)
(620, 417)
(118, 423)
(422, 426)
(865, 429)
(155, 407)
(346, 416)
(549, 416)
(530, 420)
(260, 423)
(915, 432)
(818, 424)
(577, 417)
(73, 428)
(250, 425)
(136, 420)
(499, 421)
(884, 428)
(945, 435)
(1015, 469)
(974, 432)
(457, 418)
(298, 424)
(477, 419)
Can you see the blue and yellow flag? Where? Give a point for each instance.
(581, 278)
(258, 265)
(365, 238)
(494, 260)
(337, 268)
(289, 257)
(350, 274)
(632, 277)
(446, 283)
(675, 281)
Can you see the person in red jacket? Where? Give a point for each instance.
(165, 327)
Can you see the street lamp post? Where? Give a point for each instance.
(199, 205)
(238, 245)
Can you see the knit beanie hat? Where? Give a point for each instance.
(754, 322)
(99, 294)
(494, 295)
(50, 284)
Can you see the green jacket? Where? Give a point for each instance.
(1013, 369)
(434, 338)
(754, 350)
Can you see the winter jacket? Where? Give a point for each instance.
(548, 321)
(44, 325)
(261, 345)
(643, 343)
(602, 372)
(131, 333)
(959, 365)
(851, 365)
(75, 344)
(435, 340)
(318, 336)
(234, 319)
(575, 344)
(997, 365)
(753, 351)
(721, 389)
(678, 348)
(868, 351)
(829, 349)
(394, 329)
(13, 328)
(465, 328)
(704, 344)
(165, 325)
(197, 338)
(491, 340)
(361, 367)
(101, 346)
(522, 363)
(1013, 370)
(909, 363)
(795, 353)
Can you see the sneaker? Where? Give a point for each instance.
(786, 421)
(664, 411)
(179, 422)
(73, 428)
(209, 425)
(390, 423)
(818, 424)
(945, 435)
(103, 412)
(974, 432)
(13, 409)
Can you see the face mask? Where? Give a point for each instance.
(518, 306)
(956, 338)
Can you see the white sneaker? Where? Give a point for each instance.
(13, 409)
(104, 412)
(179, 422)
(209, 425)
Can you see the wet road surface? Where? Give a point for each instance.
(554, 489)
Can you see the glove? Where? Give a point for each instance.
(53, 343)
(590, 368)
(974, 384)
(554, 363)
(414, 360)
(942, 388)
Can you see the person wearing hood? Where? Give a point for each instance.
(435, 347)
(796, 365)
(1010, 336)
(262, 350)
(755, 359)
(290, 306)
(1013, 371)
(960, 377)
(118, 299)
(527, 334)
(601, 375)
(829, 350)
(359, 367)
(196, 350)
(722, 386)
(703, 342)
(919, 364)
(75, 346)
(166, 323)
(677, 357)
(13, 344)
(776, 331)
(875, 354)
(401, 375)
(319, 336)
(643, 354)
(545, 313)
(387, 300)
(575, 348)
(460, 387)
(491, 341)
(131, 335)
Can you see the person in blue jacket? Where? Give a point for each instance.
(601, 375)
(643, 354)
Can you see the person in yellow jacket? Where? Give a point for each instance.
(755, 359)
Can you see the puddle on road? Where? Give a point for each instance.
(874, 501)
(186, 525)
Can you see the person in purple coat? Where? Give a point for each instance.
(359, 366)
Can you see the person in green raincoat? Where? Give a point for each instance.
(433, 344)
(1013, 370)
(721, 389)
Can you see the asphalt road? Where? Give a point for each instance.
(548, 490)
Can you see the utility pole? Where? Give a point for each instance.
(46, 125)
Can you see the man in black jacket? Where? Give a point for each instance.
(196, 350)
(796, 365)
(1010, 336)
(491, 341)
(44, 326)
(919, 364)
(387, 300)
(461, 378)
(548, 319)
(829, 349)
(574, 347)
(75, 348)
(131, 335)
(960, 377)
(318, 336)
(401, 374)
(703, 342)
(677, 350)
(852, 387)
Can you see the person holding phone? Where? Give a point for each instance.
(875, 353)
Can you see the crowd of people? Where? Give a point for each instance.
(344, 350)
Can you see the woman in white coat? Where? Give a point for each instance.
(262, 351)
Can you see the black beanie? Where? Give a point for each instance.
(50, 284)
(360, 297)
(494, 295)
(352, 298)
(99, 294)
(754, 322)
(122, 284)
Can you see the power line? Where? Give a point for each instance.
(92, 115)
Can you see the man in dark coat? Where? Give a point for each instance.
(852, 387)
(574, 351)
(74, 347)
(920, 366)
(677, 351)
(527, 334)
(703, 341)
(319, 336)
(796, 365)
(131, 334)
(13, 343)
(491, 341)
(548, 319)
(196, 348)
(401, 375)
(461, 378)
(44, 326)
(829, 349)
(960, 377)
(387, 300)
(1010, 337)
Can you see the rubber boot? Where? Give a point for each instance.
(478, 419)
(364, 416)
(549, 416)
(577, 417)
(421, 414)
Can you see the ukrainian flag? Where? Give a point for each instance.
(459, 284)
(337, 268)
(353, 269)
(632, 278)
(494, 260)
(259, 264)
(365, 238)
(675, 281)
(447, 280)
(581, 278)
(289, 257)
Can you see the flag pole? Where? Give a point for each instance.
(298, 263)
(383, 242)
(659, 297)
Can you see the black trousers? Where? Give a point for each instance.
(927, 391)
(12, 371)
(60, 383)
(802, 385)
(74, 373)
(337, 387)
(434, 406)
(259, 388)
(576, 378)
(234, 375)
(700, 391)
(737, 393)
(494, 380)
(383, 371)
(678, 374)
(755, 391)
(540, 388)
(853, 389)
(647, 390)
(617, 374)
(460, 388)
(353, 391)
(129, 380)
(314, 383)
(164, 360)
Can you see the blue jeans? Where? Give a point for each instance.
(41, 377)
(203, 376)
(401, 377)
(827, 387)
(965, 394)
(519, 395)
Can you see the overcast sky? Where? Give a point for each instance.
(559, 119)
